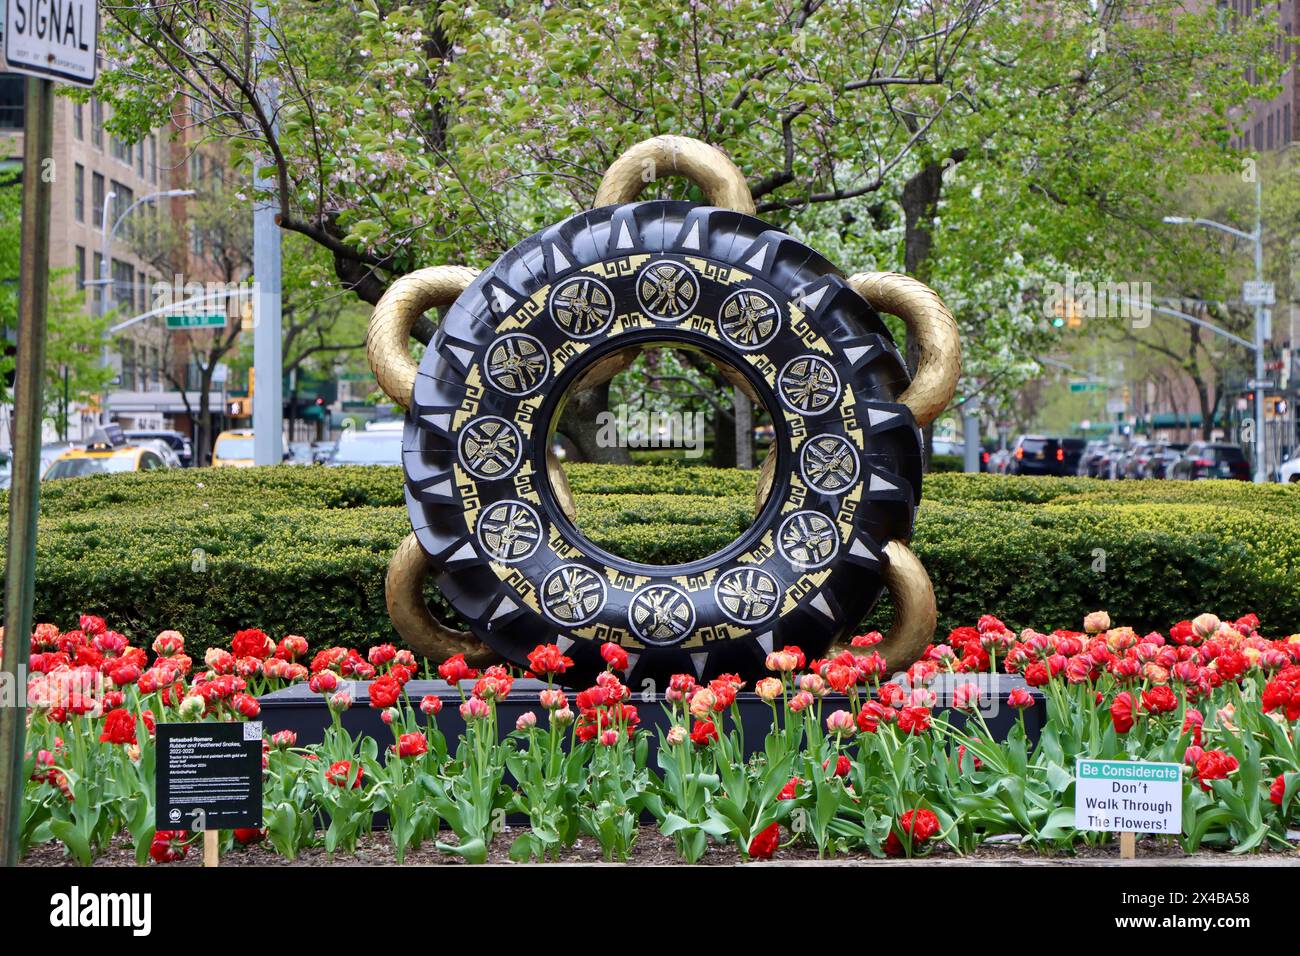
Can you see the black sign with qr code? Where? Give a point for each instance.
(209, 776)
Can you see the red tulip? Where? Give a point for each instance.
(1121, 712)
(1020, 698)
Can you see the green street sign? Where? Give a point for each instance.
(1087, 386)
(214, 320)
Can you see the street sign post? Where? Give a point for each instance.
(24, 491)
(45, 41)
(52, 40)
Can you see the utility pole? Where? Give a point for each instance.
(1263, 314)
(1262, 318)
(24, 494)
(970, 419)
(268, 364)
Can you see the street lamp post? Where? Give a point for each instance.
(105, 240)
(1261, 315)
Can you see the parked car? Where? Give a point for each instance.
(1108, 463)
(1205, 459)
(234, 449)
(107, 452)
(948, 446)
(999, 461)
(1134, 463)
(378, 447)
(1165, 455)
(299, 453)
(323, 451)
(165, 450)
(1092, 453)
(178, 442)
(1041, 455)
(1289, 471)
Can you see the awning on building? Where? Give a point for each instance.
(1175, 420)
(159, 403)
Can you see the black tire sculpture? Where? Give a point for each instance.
(565, 310)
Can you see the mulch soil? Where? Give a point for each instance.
(654, 849)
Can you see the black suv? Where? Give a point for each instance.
(1040, 455)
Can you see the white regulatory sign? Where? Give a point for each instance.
(1128, 796)
(55, 39)
(1257, 292)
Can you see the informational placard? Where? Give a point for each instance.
(56, 39)
(209, 776)
(1128, 796)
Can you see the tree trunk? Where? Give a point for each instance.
(920, 202)
(1207, 413)
(203, 427)
(724, 440)
(578, 423)
(1202, 387)
(744, 429)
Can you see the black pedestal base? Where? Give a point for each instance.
(298, 709)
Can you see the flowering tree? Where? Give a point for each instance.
(410, 134)
(963, 143)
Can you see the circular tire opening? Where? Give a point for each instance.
(671, 406)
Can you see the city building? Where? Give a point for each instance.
(108, 195)
(1271, 123)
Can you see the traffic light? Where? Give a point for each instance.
(1067, 314)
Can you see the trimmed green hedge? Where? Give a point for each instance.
(303, 550)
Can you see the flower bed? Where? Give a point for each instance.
(886, 775)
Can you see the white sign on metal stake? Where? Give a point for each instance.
(53, 39)
(1128, 796)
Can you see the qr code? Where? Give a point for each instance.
(253, 730)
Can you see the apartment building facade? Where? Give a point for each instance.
(105, 191)
(1273, 123)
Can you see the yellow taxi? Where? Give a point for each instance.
(107, 453)
(234, 449)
